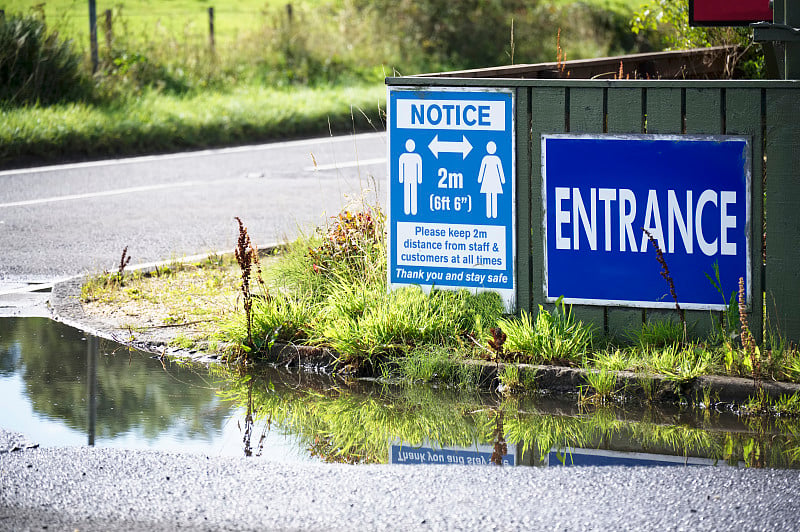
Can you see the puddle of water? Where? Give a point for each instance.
(132, 400)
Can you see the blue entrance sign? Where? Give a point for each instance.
(600, 193)
(452, 189)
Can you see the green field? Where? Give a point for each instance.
(409, 37)
(152, 17)
(190, 17)
(160, 86)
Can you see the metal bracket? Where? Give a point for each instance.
(767, 31)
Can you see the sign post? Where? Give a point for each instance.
(452, 190)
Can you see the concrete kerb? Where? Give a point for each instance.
(66, 308)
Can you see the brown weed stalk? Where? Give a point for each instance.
(561, 55)
(497, 342)
(500, 445)
(124, 260)
(667, 277)
(748, 343)
(244, 254)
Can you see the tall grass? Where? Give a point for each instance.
(160, 86)
(550, 337)
(37, 66)
(160, 122)
(331, 290)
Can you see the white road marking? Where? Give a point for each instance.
(348, 164)
(117, 191)
(184, 155)
(28, 288)
(98, 194)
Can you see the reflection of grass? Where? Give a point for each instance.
(358, 425)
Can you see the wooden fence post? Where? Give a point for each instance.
(93, 33)
(109, 34)
(211, 43)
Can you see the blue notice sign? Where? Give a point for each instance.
(452, 189)
(600, 194)
(400, 453)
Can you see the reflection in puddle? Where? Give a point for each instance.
(378, 423)
(61, 387)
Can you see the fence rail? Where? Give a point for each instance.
(699, 63)
(765, 111)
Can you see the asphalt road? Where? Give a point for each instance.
(93, 489)
(62, 221)
(59, 221)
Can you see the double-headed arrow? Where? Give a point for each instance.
(439, 146)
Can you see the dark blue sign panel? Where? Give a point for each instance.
(452, 187)
(600, 457)
(603, 194)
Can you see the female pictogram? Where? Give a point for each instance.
(491, 178)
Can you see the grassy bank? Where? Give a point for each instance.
(157, 122)
(329, 289)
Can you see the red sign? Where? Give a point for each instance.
(728, 12)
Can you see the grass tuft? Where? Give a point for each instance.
(550, 337)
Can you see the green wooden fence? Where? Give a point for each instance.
(766, 111)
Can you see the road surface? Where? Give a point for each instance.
(60, 221)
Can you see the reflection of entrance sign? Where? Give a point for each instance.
(402, 453)
(691, 193)
(728, 12)
(452, 189)
(573, 456)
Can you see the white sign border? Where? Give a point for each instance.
(509, 295)
(643, 136)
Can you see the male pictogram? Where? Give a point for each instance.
(410, 177)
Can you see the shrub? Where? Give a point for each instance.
(36, 66)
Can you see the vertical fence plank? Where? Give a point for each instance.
(624, 108)
(703, 116)
(523, 199)
(782, 210)
(743, 117)
(664, 116)
(548, 107)
(664, 110)
(586, 115)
